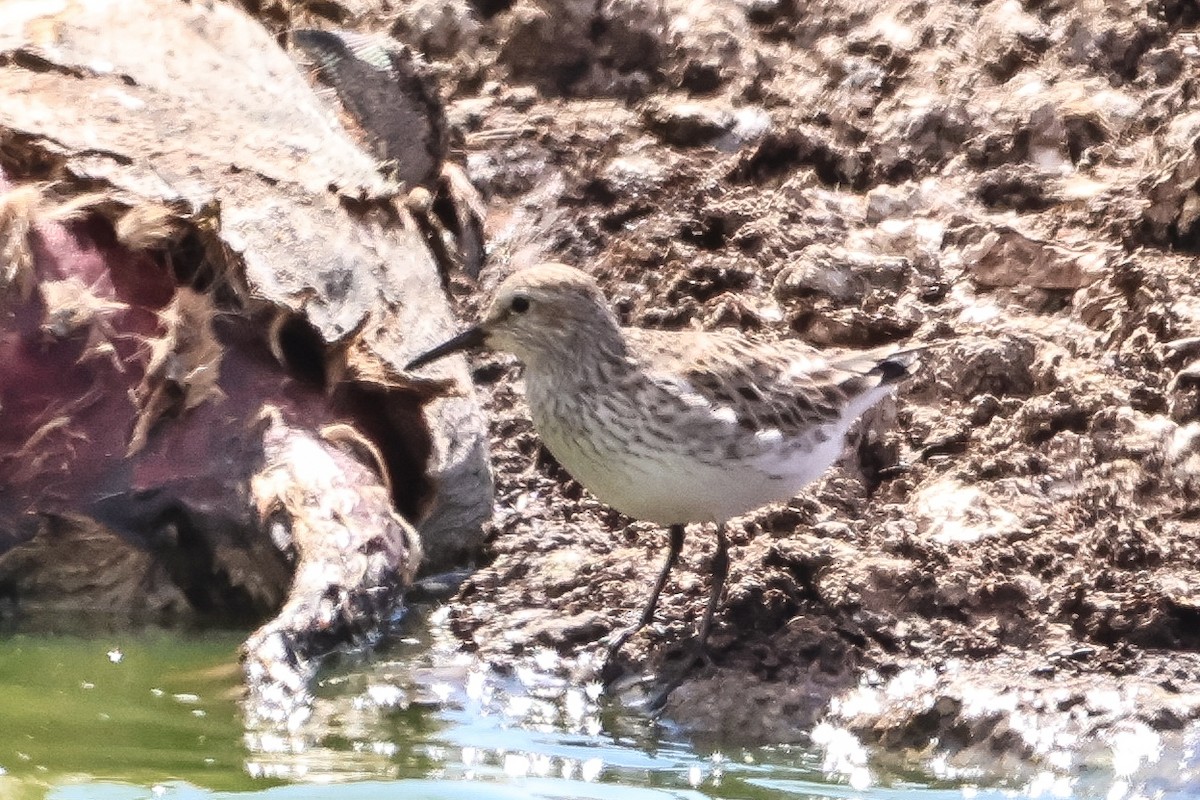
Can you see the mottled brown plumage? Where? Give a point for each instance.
(673, 427)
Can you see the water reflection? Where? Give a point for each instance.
(420, 707)
(152, 716)
(412, 789)
(423, 707)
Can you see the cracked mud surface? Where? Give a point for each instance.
(1017, 536)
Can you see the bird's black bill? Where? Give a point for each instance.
(467, 340)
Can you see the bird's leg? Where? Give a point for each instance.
(676, 545)
(720, 571)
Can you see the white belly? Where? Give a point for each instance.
(712, 470)
(670, 487)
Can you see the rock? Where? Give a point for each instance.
(702, 46)
(1172, 210)
(952, 513)
(928, 131)
(1163, 64)
(888, 201)
(839, 274)
(1005, 256)
(438, 28)
(631, 33)
(634, 175)
(1013, 38)
(688, 124)
(545, 44)
(1020, 187)
(563, 632)
(216, 244)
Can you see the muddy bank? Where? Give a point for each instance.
(1011, 182)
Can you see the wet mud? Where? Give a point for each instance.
(1006, 560)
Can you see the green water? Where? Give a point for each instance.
(143, 715)
(133, 707)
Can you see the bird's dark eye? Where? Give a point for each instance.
(520, 304)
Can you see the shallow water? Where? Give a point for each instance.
(120, 715)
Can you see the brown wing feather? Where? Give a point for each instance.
(788, 385)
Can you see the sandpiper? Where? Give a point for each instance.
(673, 427)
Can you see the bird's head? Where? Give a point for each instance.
(541, 313)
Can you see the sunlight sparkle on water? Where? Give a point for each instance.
(1133, 746)
(591, 770)
(844, 755)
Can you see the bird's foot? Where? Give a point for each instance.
(696, 652)
(657, 703)
(611, 669)
(610, 672)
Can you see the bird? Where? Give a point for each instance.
(673, 427)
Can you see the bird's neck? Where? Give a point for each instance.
(584, 361)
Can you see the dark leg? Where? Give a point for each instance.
(676, 545)
(720, 571)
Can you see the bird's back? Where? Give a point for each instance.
(700, 426)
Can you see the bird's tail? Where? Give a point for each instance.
(898, 365)
(888, 364)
